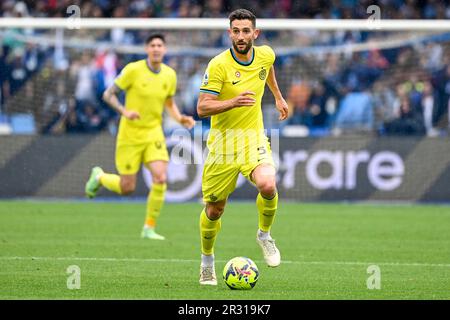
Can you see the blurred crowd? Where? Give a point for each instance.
(403, 90)
(398, 92)
(311, 9)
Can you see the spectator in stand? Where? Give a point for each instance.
(72, 124)
(317, 106)
(298, 97)
(441, 81)
(84, 71)
(190, 93)
(409, 120)
(90, 119)
(429, 102)
(3, 77)
(355, 114)
(384, 105)
(16, 70)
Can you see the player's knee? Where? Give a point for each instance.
(127, 187)
(160, 179)
(214, 212)
(267, 187)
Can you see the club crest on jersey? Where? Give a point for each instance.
(262, 74)
(205, 78)
(237, 74)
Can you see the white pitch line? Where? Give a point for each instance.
(395, 264)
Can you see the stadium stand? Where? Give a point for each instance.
(320, 84)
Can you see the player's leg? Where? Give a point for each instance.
(264, 177)
(127, 163)
(218, 182)
(260, 170)
(123, 184)
(93, 184)
(267, 199)
(209, 228)
(155, 199)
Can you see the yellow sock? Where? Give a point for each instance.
(208, 233)
(155, 201)
(267, 209)
(111, 182)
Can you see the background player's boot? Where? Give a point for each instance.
(270, 252)
(149, 233)
(208, 275)
(93, 184)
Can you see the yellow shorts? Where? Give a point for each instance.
(221, 172)
(129, 157)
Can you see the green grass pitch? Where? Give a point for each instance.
(326, 251)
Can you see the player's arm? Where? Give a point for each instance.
(208, 104)
(174, 112)
(280, 103)
(110, 97)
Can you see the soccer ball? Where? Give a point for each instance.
(240, 273)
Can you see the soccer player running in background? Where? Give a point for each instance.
(149, 86)
(231, 93)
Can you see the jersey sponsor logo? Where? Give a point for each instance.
(262, 74)
(235, 82)
(213, 198)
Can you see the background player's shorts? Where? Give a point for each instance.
(221, 171)
(130, 157)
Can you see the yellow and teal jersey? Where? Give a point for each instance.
(145, 92)
(228, 77)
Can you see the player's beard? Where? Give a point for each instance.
(245, 50)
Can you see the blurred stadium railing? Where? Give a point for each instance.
(356, 88)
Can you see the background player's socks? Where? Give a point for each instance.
(266, 209)
(111, 182)
(208, 233)
(155, 201)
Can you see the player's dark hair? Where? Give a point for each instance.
(242, 14)
(155, 36)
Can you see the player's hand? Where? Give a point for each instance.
(187, 122)
(131, 115)
(245, 99)
(282, 108)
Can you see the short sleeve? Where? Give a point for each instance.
(272, 54)
(212, 79)
(173, 85)
(125, 78)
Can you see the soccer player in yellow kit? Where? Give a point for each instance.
(231, 93)
(150, 85)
